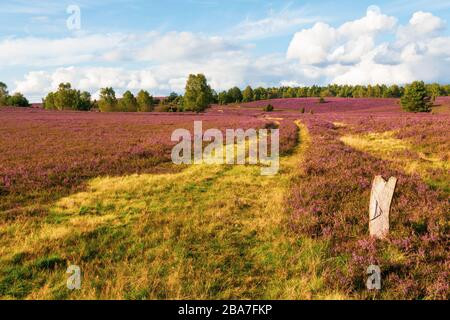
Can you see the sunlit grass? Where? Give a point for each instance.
(208, 232)
(386, 146)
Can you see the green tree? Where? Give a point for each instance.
(144, 101)
(198, 93)
(235, 95)
(128, 103)
(18, 100)
(66, 98)
(259, 94)
(247, 94)
(394, 91)
(3, 94)
(223, 98)
(108, 100)
(49, 101)
(416, 98)
(84, 101)
(290, 93)
(434, 90)
(214, 96)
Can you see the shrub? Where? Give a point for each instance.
(18, 100)
(321, 100)
(302, 110)
(416, 98)
(268, 108)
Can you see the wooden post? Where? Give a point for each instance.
(380, 205)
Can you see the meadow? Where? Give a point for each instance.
(99, 191)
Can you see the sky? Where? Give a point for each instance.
(155, 45)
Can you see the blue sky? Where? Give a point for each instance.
(155, 44)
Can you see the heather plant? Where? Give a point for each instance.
(89, 186)
(416, 98)
(330, 201)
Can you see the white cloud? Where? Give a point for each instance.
(276, 23)
(107, 48)
(422, 25)
(312, 46)
(41, 52)
(353, 54)
(356, 52)
(323, 44)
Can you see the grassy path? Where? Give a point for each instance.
(208, 232)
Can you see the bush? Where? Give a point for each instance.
(321, 100)
(416, 98)
(268, 108)
(302, 110)
(18, 100)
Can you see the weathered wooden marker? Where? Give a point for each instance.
(380, 205)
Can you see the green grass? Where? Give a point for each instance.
(208, 232)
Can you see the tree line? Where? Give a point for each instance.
(16, 100)
(66, 98)
(199, 95)
(235, 95)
